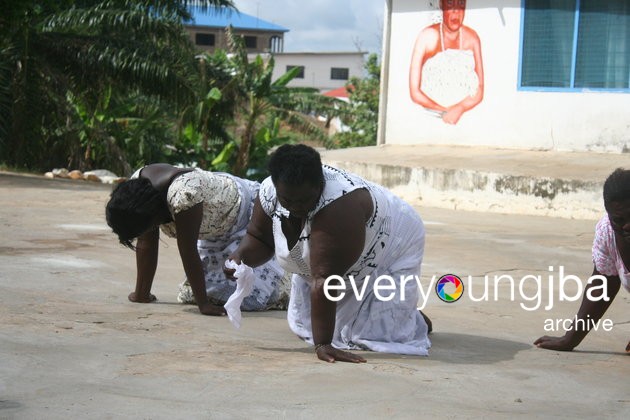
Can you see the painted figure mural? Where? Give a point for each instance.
(446, 72)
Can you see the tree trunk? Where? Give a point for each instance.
(242, 159)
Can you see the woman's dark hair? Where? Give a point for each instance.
(296, 165)
(617, 187)
(132, 208)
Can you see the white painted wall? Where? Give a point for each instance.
(317, 68)
(506, 117)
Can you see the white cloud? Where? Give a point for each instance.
(323, 25)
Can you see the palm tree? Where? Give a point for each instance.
(206, 118)
(258, 97)
(49, 48)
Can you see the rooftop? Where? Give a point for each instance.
(340, 92)
(221, 18)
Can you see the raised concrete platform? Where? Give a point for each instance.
(559, 184)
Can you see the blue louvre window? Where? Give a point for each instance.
(575, 44)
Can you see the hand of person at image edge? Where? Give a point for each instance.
(555, 343)
(589, 309)
(561, 343)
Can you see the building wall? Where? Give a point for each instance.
(317, 68)
(263, 39)
(507, 116)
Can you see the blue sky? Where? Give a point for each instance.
(323, 25)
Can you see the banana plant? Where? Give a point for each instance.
(260, 98)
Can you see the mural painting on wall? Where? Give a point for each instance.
(446, 73)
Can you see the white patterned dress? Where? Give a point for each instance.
(227, 207)
(394, 246)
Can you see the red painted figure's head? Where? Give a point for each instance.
(453, 13)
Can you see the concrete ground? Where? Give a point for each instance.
(72, 346)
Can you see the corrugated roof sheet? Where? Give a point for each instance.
(221, 19)
(341, 92)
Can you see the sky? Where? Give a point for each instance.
(323, 25)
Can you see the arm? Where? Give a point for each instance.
(454, 113)
(257, 246)
(594, 309)
(187, 223)
(337, 240)
(146, 264)
(418, 58)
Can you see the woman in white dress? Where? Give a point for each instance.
(208, 213)
(320, 221)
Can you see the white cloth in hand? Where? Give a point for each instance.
(244, 285)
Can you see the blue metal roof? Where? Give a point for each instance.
(213, 17)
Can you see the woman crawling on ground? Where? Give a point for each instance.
(208, 214)
(320, 221)
(611, 260)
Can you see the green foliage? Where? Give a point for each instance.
(266, 139)
(206, 117)
(59, 58)
(121, 133)
(116, 84)
(259, 102)
(360, 115)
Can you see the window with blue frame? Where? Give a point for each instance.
(576, 44)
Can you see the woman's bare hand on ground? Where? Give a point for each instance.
(133, 297)
(554, 343)
(330, 354)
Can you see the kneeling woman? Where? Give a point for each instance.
(321, 221)
(208, 213)
(611, 263)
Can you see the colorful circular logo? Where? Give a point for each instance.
(449, 288)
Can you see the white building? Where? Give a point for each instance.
(554, 77)
(321, 70)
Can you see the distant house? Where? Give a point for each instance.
(323, 71)
(320, 70)
(554, 75)
(207, 31)
(339, 93)
(335, 125)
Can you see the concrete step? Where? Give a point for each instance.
(531, 182)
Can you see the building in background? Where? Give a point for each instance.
(207, 31)
(320, 70)
(556, 75)
(323, 71)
